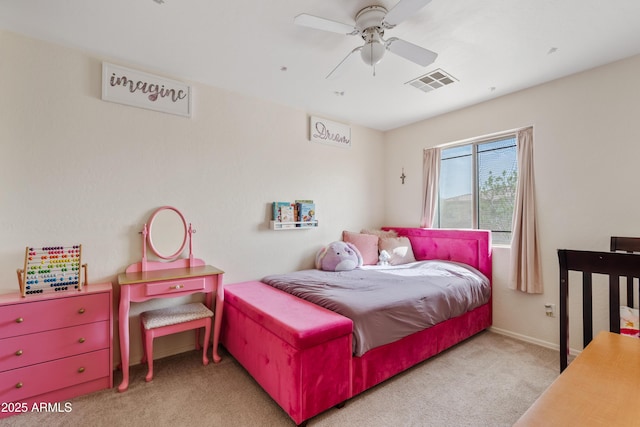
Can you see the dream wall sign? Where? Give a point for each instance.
(328, 132)
(138, 89)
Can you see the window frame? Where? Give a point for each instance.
(474, 143)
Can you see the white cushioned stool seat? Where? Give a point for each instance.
(173, 315)
(165, 321)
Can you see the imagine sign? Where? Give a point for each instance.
(138, 89)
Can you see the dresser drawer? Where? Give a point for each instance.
(40, 347)
(22, 383)
(37, 316)
(183, 285)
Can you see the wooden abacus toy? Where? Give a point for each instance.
(51, 269)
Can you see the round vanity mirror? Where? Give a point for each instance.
(167, 232)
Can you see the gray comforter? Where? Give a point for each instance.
(387, 304)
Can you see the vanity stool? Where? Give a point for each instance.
(165, 321)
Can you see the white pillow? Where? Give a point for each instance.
(399, 248)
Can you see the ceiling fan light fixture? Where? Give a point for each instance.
(372, 52)
(371, 23)
(374, 47)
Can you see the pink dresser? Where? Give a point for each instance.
(54, 346)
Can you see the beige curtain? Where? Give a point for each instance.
(526, 271)
(430, 180)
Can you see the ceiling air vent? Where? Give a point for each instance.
(433, 80)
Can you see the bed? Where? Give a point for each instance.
(272, 334)
(622, 266)
(388, 303)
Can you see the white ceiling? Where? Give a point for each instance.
(492, 47)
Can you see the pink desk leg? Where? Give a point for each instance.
(125, 295)
(218, 318)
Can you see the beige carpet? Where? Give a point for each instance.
(489, 380)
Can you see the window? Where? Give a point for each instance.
(478, 186)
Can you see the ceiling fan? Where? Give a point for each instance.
(371, 23)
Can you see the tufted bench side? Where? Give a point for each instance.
(298, 352)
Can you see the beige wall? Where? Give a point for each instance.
(586, 149)
(76, 169)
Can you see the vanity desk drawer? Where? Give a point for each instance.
(181, 285)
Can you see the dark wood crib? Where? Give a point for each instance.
(620, 262)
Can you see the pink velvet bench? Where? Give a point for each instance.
(304, 360)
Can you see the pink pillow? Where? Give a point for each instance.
(399, 248)
(367, 244)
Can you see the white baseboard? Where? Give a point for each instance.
(525, 338)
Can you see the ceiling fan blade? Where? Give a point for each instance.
(324, 24)
(338, 68)
(403, 10)
(410, 51)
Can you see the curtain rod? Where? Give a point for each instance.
(482, 137)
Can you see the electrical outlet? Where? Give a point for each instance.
(550, 310)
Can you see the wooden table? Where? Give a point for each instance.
(599, 388)
(138, 286)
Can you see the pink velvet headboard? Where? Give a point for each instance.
(472, 247)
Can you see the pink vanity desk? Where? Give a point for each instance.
(138, 286)
(145, 280)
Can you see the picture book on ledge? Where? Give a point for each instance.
(299, 213)
(284, 212)
(306, 213)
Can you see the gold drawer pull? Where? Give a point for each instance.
(19, 320)
(80, 370)
(19, 385)
(81, 311)
(19, 353)
(177, 287)
(81, 340)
